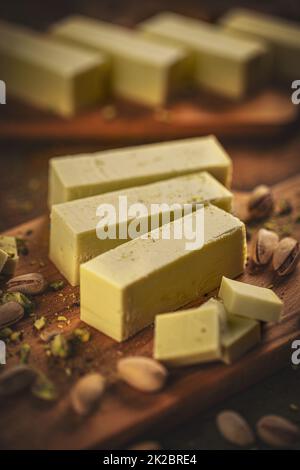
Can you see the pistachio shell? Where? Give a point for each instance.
(261, 202)
(87, 392)
(142, 373)
(31, 283)
(286, 256)
(277, 431)
(16, 379)
(235, 429)
(263, 246)
(10, 313)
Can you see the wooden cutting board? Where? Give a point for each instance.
(192, 114)
(125, 413)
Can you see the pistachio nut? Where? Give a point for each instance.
(235, 429)
(87, 392)
(10, 313)
(263, 246)
(286, 256)
(31, 284)
(142, 373)
(261, 202)
(16, 379)
(277, 431)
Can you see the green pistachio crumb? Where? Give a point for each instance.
(6, 333)
(62, 318)
(24, 353)
(57, 285)
(16, 336)
(40, 323)
(60, 347)
(44, 388)
(82, 334)
(27, 304)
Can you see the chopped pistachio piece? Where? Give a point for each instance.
(5, 333)
(82, 334)
(24, 353)
(16, 336)
(40, 323)
(44, 389)
(27, 304)
(62, 318)
(60, 347)
(57, 285)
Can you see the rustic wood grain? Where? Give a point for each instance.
(194, 113)
(124, 412)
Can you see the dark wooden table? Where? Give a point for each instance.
(23, 186)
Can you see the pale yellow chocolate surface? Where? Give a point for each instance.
(282, 36)
(238, 334)
(250, 301)
(187, 337)
(123, 289)
(223, 63)
(75, 177)
(3, 259)
(73, 238)
(9, 246)
(55, 76)
(141, 70)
